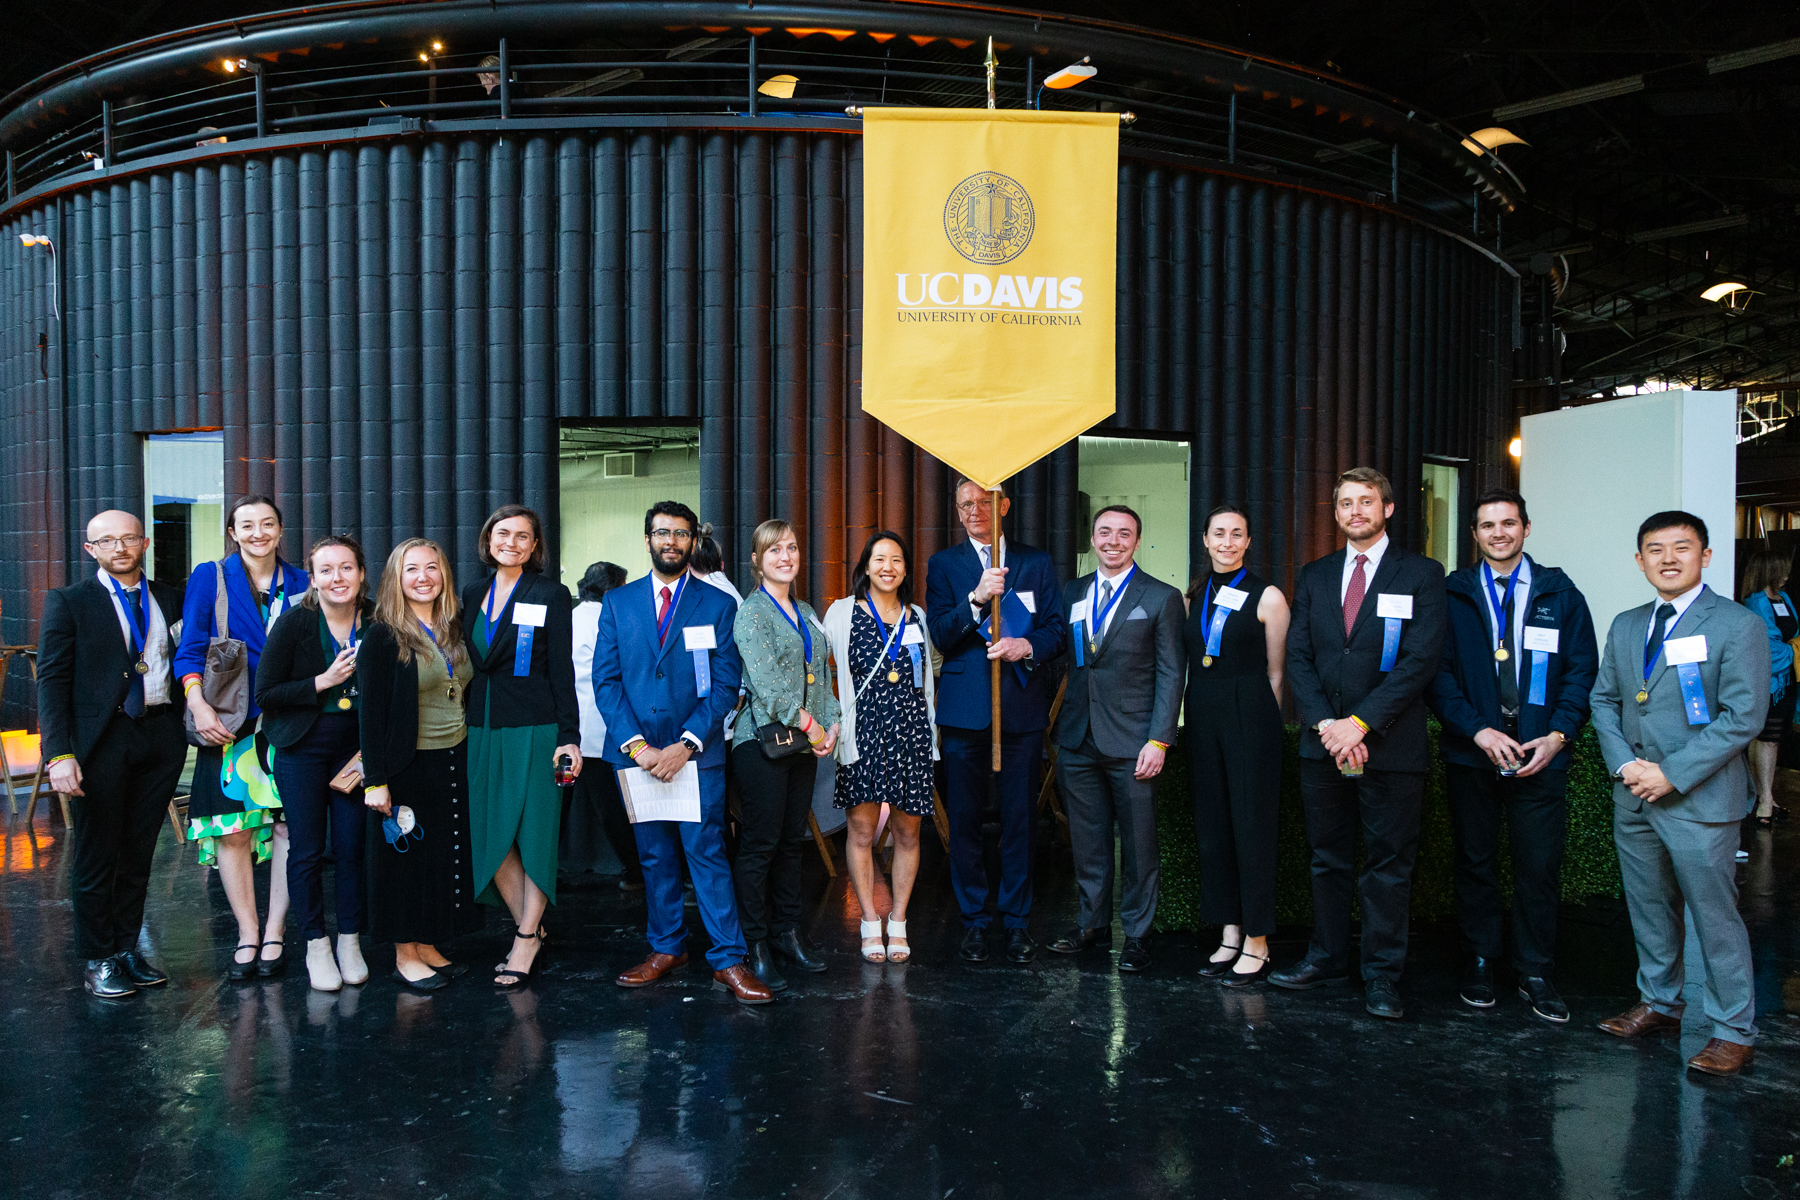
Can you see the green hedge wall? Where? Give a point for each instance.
(1590, 866)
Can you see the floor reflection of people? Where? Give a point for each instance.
(522, 1046)
(884, 1046)
(240, 1074)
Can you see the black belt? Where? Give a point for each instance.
(150, 710)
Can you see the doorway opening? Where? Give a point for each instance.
(184, 501)
(609, 476)
(1150, 477)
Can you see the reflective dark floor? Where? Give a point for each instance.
(930, 1080)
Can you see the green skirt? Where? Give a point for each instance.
(513, 799)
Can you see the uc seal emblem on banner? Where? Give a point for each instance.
(989, 218)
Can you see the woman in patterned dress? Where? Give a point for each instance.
(886, 669)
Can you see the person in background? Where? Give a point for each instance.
(960, 583)
(1765, 577)
(414, 672)
(665, 674)
(783, 650)
(112, 739)
(1512, 693)
(1118, 718)
(523, 722)
(709, 563)
(1236, 634)
(1362, 650)
(308, 690)
(596, 800)
(1682, 692)
(887, 665)
(234, 811)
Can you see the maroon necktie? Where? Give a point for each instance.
(1353, 595)
(662, 610)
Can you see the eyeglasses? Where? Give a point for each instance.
(671, 535)
(130, 541)
(969, 506)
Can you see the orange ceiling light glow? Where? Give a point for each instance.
(838, 34)
(961, 43)
(884, 38)
(919, 39)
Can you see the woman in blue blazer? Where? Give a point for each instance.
(1765, 578)
(234, 814)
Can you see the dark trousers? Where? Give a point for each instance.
(968, 769)
(1386, 804)
(313, 811)
(595, 800)
(1097, 791)
(1536, 812)
(129, 777)
(774, 796)
(1234, 783)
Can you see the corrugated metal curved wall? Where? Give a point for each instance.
(388, 331)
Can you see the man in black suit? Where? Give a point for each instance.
(1127, 666)
(1362, 650)
(113, 738)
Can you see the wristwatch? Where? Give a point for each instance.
(1321, 726)
(693, 743)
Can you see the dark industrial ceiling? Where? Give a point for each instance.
(1678, 169)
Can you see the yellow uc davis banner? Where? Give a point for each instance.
(988, 275)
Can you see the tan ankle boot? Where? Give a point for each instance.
(350, 959)
(321, 967)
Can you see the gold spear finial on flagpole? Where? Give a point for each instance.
(991, 64)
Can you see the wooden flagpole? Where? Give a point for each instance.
(994, 624)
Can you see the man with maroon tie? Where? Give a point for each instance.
(1362, 650)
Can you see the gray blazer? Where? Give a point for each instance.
(1129, 691)
(1705, 763)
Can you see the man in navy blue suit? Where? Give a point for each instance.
(960, 584)
(665, 674)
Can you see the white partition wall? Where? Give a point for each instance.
(1591, 474)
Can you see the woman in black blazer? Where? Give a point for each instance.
(522, 719)
(416, 765)
(307, 689)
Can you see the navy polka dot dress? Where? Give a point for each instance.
(893, 730)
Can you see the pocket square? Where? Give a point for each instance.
(1138, 614)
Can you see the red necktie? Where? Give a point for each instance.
(1353, 595)
(662, 610)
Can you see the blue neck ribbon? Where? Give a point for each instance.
(140, 633)
(1213, 616)
(796, 621)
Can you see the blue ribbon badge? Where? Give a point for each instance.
(526, 619)
(700, 641)
(1390, 642)
(1542, 641)
(1685, 655)
(1394, 609)
(1215, 609)
(1540, 661)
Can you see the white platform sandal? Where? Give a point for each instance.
(896, 931)
(871, 932)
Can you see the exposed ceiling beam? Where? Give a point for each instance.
(1570, 99)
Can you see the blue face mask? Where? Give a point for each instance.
(400, 826)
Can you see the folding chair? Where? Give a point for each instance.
(1048, 796)
(21, 752)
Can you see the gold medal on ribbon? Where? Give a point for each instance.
(142, 667)
(1501, 654)
(809, 677)
(1643, 696)
(344, 702)
(450, 691)
(1206, 660)
(893, 677)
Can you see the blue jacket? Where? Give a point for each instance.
(1781, 655)
(964, 700)
(1466, 695)
(647, 690)
(241, 612)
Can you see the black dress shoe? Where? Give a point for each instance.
(430, 983)
(1077, 940)
(1382, 999)
(1246, 978)
(106, 978)
(1216, 968)
(268, 968)
(974, 945)
(762, 965)
(1019, 946)
(1477, 989)
(140, 972)
(1543, 999)
(1134, 955)
(1306, 975)
(789, 946)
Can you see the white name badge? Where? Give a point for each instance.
(1539, 638)
(530, 614)
(1078, 612)
(1781, 609)
(1233, 598)
(914, 636)
(1685, 650)
(700, 637)
(1388, 604)
(1029, 600)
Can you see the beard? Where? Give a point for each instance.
(671, 561)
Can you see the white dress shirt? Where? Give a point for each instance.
(1520, 594)
(1098, 625)
(1374, 554)
(156, 648)
(1681, 603)
(593, 726)
(981, 556)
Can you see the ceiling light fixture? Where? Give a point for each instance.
(1732, 296)
(39, 239)
(1492, 138)
(1068, 77)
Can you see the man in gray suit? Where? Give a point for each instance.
(1683, 688)
(1127, 664)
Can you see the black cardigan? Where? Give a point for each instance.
(546, 696)
(390, 706)
(291, 657)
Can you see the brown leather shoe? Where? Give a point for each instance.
(1640, 1021)
(1722, 1058)
(740, 982)
(651, 970)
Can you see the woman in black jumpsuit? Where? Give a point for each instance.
(1233, 739)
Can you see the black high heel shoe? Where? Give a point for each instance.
(1246, 978)
(506, 978)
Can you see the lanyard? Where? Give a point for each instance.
(140, 635)
(1502, 607)
(1212, 618)
(1649, 662)
(351, 644)
(448, 669)
(1098, 625)
(889, 648)
(795, 620)
(668, 618)
(487, 604)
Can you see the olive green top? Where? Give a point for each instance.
(775, 668)
(441, 723)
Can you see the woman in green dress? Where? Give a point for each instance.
(522, 719)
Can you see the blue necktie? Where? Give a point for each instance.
(134, 698)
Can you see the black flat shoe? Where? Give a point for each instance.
(456, 970)
(240, 971)
(1218, 968)
(140, 972)
(430, 983)
(105, 979)
(1019, 946)
(974, 945)
(268, 968)
(1077, 940)
(1304, 976)
(1246, 978)
(789, 946)
(1134, 956)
